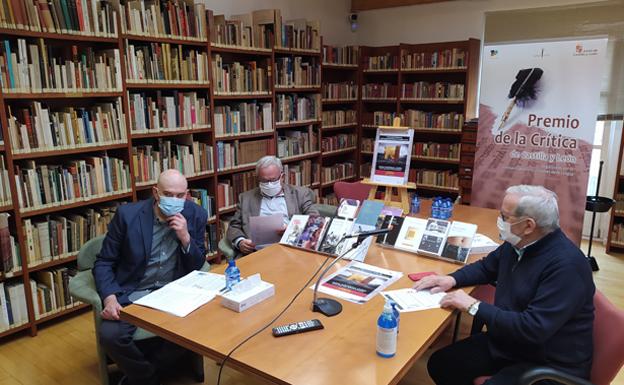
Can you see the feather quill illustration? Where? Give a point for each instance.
(522, 90)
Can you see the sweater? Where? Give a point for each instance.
(543, 310)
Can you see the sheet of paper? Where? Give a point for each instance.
(411, 300)
(202, 280)
(266, 230)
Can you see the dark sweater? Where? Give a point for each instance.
(543, 310)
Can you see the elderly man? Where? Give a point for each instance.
(149, 244)
(543, 310)
(272, 196)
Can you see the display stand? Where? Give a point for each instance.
(395, 195)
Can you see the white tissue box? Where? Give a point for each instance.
(240, 300)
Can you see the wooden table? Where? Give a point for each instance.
(343, 352)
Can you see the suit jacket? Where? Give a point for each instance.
(121, 263)
(299, 200)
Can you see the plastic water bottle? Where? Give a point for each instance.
(435, 208)
(397, 314)
(415, 206)
(386, 332)
(232, 274)
(444, 211)
(448, 207)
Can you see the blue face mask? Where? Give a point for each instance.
(170, 206)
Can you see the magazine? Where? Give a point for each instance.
(459, 241)
(391, 159)
(358, 282)
(434, 237)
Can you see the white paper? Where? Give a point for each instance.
(265, 230)
(185, 294)
(411, 300)
(483, 244)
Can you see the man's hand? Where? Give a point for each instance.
(437, 283)
(246, 246)
(111, 308)
(178, 224)
(457, 300)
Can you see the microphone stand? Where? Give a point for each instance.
(328, 306)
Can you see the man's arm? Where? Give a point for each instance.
(306, 201)
(108, 258)
(235, 229)
(194, 258)
(481, 272)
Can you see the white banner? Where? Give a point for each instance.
(537, 117)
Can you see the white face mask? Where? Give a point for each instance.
(271, 189)
(504, 228)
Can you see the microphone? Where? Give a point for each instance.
(328, 306)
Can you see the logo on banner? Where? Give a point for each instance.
(581, 51)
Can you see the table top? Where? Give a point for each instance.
(344, 349)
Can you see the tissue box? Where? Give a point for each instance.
(244, 299)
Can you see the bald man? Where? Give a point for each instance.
(149, 244)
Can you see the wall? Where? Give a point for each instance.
(335, 28)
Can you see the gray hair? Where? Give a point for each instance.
(269, 160)
(538, 203)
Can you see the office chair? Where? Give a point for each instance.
(354, 190)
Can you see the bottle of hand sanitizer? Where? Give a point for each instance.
(387, 332)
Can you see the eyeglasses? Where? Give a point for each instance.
(271, 180)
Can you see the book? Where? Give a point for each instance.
(434, 237)
(392, 155)
(6, 261)
(394, 223)
(458, 241)
(313, 232)
(483, 244)
(369, 213)
(348, 208)
(411, 233)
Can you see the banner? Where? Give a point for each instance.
(537, 117)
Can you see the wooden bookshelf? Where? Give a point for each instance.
(32, 154)
(616, 220)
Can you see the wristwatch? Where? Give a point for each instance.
(474, 308)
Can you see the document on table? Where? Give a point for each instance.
(412, 300)
(185, 294)
(265, 231)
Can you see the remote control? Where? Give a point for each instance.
(297, 327)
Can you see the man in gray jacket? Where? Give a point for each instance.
(272, 196)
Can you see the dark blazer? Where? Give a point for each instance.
(121, 263)
(299, 200)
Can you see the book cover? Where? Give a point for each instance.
(348, 208)
(394, 224)
(369, 212)
(312, 234)
(391, 159)
(434, 237)
(294, 229)
(337, 229)
(458, 241)
(411, 234)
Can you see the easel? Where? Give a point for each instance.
(392, 191)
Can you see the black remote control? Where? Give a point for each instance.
(297, 327)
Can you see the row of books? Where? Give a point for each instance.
(344, 90)
(251, 30)
(46, 67)
(437, 90)
(201, 197)
(437, 150)
(619, 202)
(83, 17)
(448, 58)
(348, 55)
(366, 168)
(168, 111)
(436, 178)
(337, 171)
(243, 118)
(10, 261)
(42, 185)
(381, 62)
(294, 142)
(211, 240)
(166, 63)
(225, 197)
(243, 181)
(338, 117)
(13, 309)
(191, 158)
(329, 199)
(50, 291)
(304, 173)
(296, 108)
(5, 189)
(41, 128)
(301, 34)
(237, 153)
(427, 119)
(240, 78)
(379, 91)
(166, 18)
(383, 118)
(297, 72)
(617, 233)
(337, 142)
(56, 237)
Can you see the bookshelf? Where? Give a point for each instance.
(615, 238)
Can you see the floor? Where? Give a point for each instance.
(64, 352)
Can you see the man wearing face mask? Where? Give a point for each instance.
(272, 196)
(148, 244)
(543, 310)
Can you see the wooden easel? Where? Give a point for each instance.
(392, 191)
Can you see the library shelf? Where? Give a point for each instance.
(5, 276)
(236, 169)
(338, 152)
(331, 183)
(449, 70)
(297, 51)
(1, 146)
(61, 313)
(440, 131)
(294, 158)
(617, 244)
(338, 101)
(338, 126)
(15, 329)
(258, 134)
(163, 39)
(141, 186)
(6, 207)
(59, 207)
(212, 219)
(250, 95)
(381, 72)
(296, 123)
(437, 188)
(60, 95)
(314, 88)
(379, 100)
(434, 159)
(132, 85)
(58, 36)
(170, 132)
(227, 209)
(430, 101)
(618, 213)
(345, 67)
(223, 48)
(56, 262)
(68, 151)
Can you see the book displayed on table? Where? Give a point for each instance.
(394, 223)
(391, 159)
(434, 237)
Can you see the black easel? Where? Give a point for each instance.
(596, 204)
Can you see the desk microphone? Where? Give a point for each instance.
(328, 306)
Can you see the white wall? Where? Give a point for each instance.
(429, 23)
(335, 28)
